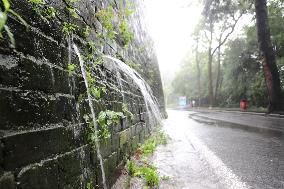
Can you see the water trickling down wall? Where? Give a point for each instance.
(42, 127)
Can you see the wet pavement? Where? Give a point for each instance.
(207, 155)
(256, 120)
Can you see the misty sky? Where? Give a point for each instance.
(170, 23)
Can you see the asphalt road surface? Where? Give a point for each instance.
(206, 155)
(214, 155)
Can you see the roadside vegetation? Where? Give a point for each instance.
(139, 166)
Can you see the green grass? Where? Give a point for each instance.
(147, 172)
(156, 139)
(142, 168)
(150, 174)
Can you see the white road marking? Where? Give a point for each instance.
(226, 175)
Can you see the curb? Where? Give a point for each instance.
(241, 112)
(221, 123)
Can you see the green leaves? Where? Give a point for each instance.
(150, 175)
(157, 138)
(106, 16)
(3, 21)
(126, 34)
(86, 31)
(72, 1)
(131, 167)
(50, 12)
(105, 119)
(71, 69)
(127, 112)
(90, 185)
(73, 12)
(109, 117)
(43, 10)
(36, 1)
(6, 4)
(96, 92)
(68, 28)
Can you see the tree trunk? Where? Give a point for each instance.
(198, 72)
(268, 61)
(210, 59)
(218, 73)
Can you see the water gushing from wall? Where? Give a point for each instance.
(93, 115)
(118, 75)
(150, 100)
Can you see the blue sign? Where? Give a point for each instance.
(182, 101)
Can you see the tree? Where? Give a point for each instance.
(242, 73)
(267, 55)
(220, 16)
(198, 71)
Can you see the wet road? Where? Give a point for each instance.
(204, 155)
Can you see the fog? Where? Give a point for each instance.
(170, 23)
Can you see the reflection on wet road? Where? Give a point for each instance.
(208, 156)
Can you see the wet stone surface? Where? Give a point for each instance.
(43, 142)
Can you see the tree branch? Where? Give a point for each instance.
(228, 34)
(236, 20)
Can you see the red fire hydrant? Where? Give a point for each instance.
(243, 104)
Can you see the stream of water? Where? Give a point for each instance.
(149, 99)
(93, 115)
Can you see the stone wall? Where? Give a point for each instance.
(43, 140)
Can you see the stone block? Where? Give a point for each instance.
(134, 143)
(115, 142)
(44, 176)
(133, 130)
(29, 147)
(106, 147)
(51, 27)
(27, 108)
(110, 165)
(124, 137)
(142, 137)
(28, 74)
(63, 82)
(31, 42)
(73, 168)
(1, 157)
